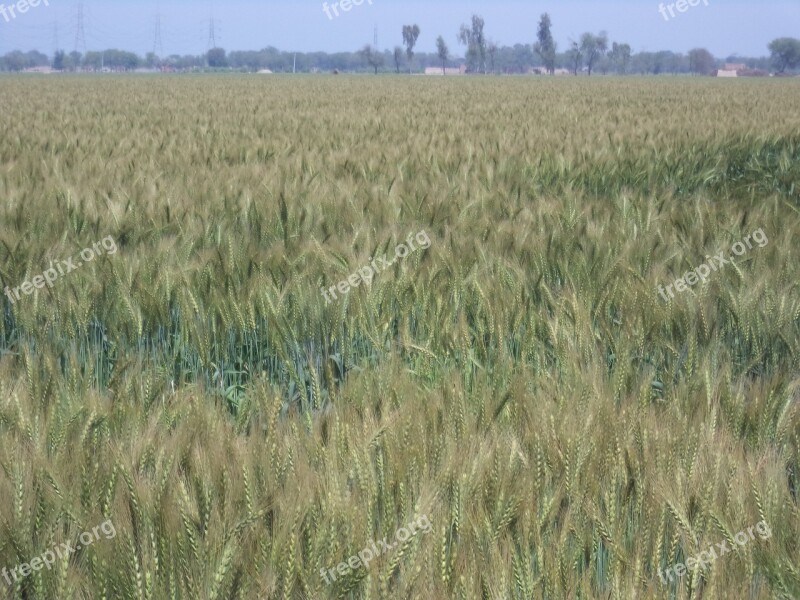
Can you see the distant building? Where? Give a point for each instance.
(265, 72)
(462, 70)
(727, 73)
(735, 67)
(753, 73)
(742, 70)
(543, 71)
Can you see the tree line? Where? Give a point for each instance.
(590, 53)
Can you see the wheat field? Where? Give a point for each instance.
(521, 382)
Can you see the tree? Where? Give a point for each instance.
(519, 58)
(575, 57)
(112, 59)
(660, 62)
(59, 58)
(603, 64)
(372, 56)
(593, 47)
(398, 57)
(642, 62)
(216, 58)
(620, 56)
(442, 51)
(785, 53)
(701, 61)
(545, 46)
(465, 38)
(492, 49)
(16, 61)
(410, 35)
(671, 61)
(475, 42)
(75, 59)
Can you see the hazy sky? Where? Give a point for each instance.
(723, 26)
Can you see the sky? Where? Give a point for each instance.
(725, 27)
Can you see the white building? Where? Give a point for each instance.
(447, 71)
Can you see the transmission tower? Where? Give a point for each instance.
(158, 47)
(212, 33)
(80, 32)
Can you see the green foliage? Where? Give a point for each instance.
(521, 381)
(785, 53)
